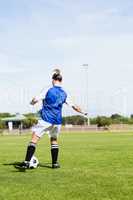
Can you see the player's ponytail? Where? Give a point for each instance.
(57, 75)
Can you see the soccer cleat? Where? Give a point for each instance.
(22, 166)
(55, 165)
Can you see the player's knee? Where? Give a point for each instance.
(32, 144)
(53, 140)
(35, 138)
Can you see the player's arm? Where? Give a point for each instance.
(70, 103)
(36, 99)
(78, 109)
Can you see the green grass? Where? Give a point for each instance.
(94, 166)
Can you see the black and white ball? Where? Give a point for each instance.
(33, 163)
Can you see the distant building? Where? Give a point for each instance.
(15, 122)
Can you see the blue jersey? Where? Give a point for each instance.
(52, 105)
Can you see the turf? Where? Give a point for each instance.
(94, 166)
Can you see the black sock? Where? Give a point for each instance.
(54, 153)
(30, 151)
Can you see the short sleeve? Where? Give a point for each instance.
(42, 95)
(69, 100)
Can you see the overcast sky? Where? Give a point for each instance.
(36, 36)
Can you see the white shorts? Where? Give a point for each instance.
(43, 127)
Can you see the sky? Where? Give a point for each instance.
(38, 36)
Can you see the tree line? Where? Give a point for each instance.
(28, 122)
(100, 121)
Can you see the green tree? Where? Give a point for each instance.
(93, 121)
(103, 121)
(74, 120)
(116, 116)
(2, 115)
(2, 126)
(30, 115)
(131, 116)
(29, 122)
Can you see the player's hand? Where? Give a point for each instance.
(85, 114)
(33, 102)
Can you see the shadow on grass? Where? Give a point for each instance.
(12, 163)
(15, 164)
(45, 165)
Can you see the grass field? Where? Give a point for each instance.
(94, 166)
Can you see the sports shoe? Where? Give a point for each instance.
(22, 166)
(55, 165)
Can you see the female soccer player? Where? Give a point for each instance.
(51, 119)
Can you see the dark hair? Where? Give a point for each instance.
(57, 77)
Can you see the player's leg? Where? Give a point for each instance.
(54, 146)
(29, 153)
(38, 131)
(31, 147)
(54, 152)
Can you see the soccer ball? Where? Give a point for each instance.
(33, 163)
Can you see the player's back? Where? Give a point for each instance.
(52, 105)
